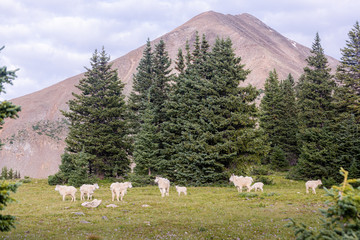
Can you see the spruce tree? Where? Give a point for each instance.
(160, 87)
(151, 115)
(279, 119)
(288, 122)
(270, 110)
(7, 222)
(211, 126)
(98, 121)
(146, 146)
(317, 149)
(7, 109)
(4, 173)
(348, 74)
(142, 81)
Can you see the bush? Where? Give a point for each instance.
(57, 179)
(25, 180)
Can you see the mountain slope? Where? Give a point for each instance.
(35, 141)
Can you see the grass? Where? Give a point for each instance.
(205, 213)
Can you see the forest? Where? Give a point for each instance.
(196, 125)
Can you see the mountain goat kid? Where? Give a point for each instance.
(312, 185)
(88, 189)
(66, 190)
(164, 185)
(119, 189)
(241, 181)
(256, 186)
(181, 190)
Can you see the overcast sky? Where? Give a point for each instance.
(51, 40)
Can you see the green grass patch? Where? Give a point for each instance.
(205, 213)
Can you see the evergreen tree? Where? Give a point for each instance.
(10, 174)
(146, 148)
(142, 81)
(160, 88)
(348, 73)
(347, 140)
(151, 116)
(211, 126)
(7, 222)
(270, 110)
(4, 173)
(98, 121)
(288, 122)
(7, 109)
(180, 62)
(279, 119)
(317, 149)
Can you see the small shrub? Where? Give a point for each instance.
(57, 179)
(25, 180)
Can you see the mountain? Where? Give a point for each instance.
(35, 141)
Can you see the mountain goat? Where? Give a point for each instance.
(257, 185)
(87, 189)
(164, 185)
(241, 181)
(119, 189)
(312, 185)
(66, 190)
(181, 190)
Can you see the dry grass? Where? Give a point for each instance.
(205, 213)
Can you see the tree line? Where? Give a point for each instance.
(196, 124)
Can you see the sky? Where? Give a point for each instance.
(51, 40)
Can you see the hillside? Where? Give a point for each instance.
(35, 141)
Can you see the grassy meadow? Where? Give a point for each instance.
(205, 213)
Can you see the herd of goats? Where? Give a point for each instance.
(119, 189)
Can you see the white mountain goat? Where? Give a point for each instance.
(256, 186)
(119, 189)
(241, 182)
(66, 190)
(312, 185)
(88, 189)
(164, 185)
(181, 190)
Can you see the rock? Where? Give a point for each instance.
(83, 221)
(78, 213)
(93, 204)
(104, 218)
(145, 205)
(112, 205)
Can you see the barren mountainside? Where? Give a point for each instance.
(35, 141)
